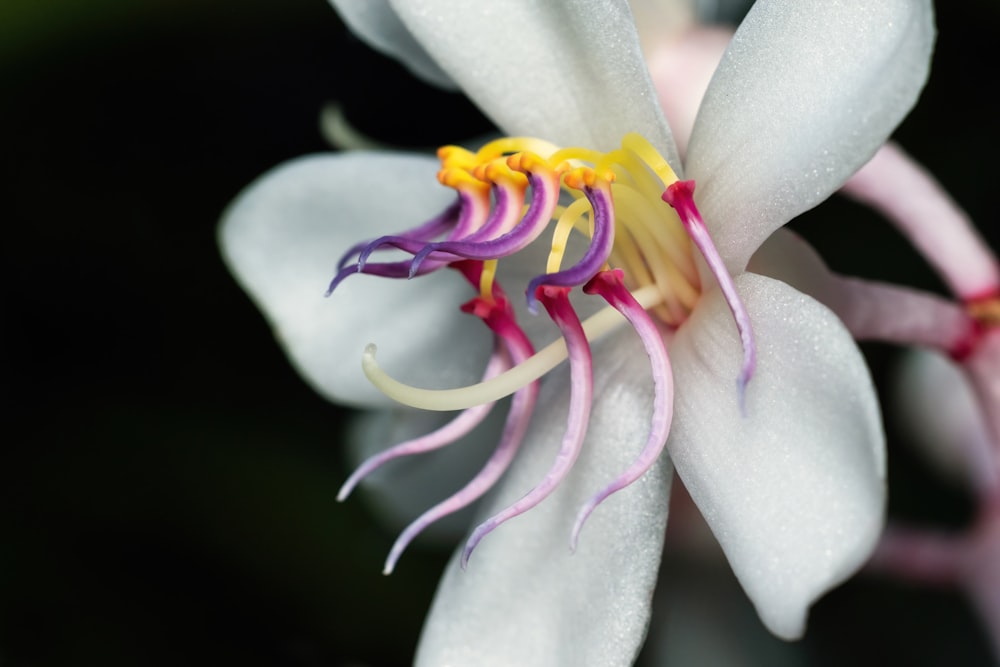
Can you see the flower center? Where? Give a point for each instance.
(641, 226)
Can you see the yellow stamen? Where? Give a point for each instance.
(638, 144)
(570, 219)
(504, 145)
(596, 326)
(486, 279)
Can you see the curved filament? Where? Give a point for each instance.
(556, 302)
(442, 437)
(610, 285)
(680, 195)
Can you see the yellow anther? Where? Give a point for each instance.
(460, 179)
(581, 177)
(526, 162)
(497, 171)
(456, 156)
(986, 312)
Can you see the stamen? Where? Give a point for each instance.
(521, 408)
(446, 435)
(487, 244)
(611, 286)
(503, 145)
(475, 207)
(443, 400)
(568, 220)
(598, 191)
(436, 226)
(556, 302)
(641, 147)
(680, 195)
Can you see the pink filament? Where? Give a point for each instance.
(680, 195)
(610, 285)
(521, 409)
(442, 437)
(557, 304)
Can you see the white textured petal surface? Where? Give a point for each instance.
(377, 23)
(282, 238)
(570, 72)
(525, 600)
(805, 94)
(795, 489)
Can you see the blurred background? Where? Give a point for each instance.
(168, 481)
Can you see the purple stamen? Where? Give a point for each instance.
(474, 207)
(680, 195)
(487, 245)
(611, 286)
(436, 226)
(459, 426)
(556, 302)
(399, 269)
(593, 259)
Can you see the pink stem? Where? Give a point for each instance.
(611, 286)
(556, 302)
(895, 185)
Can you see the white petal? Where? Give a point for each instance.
(569, 72)
(806, 93)
(794, 490)
(525, 599)
(282, 238)
(377, 23)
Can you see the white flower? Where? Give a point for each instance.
(794, 488)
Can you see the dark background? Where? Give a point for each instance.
(168, 483)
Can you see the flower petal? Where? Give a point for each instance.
(794, 490)
(282, 238)
(804, 96)
(525, 599)
(569, 72)
(377, 23)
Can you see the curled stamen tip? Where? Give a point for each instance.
(345, 491)
(581, 518)
(477, 536)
